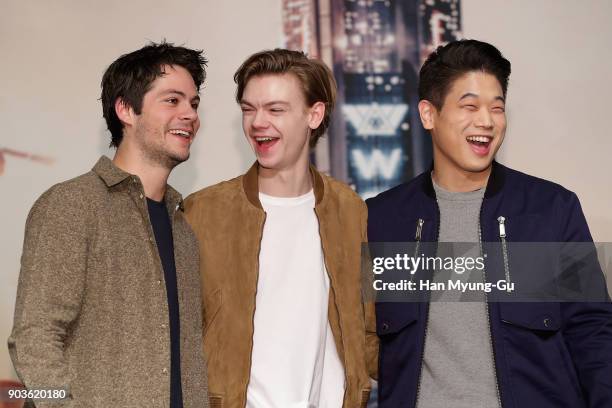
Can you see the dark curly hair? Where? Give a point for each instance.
(131, 75)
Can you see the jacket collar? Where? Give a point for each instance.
(108, 172)
(113, 176)
(250, 183)
(494, 184)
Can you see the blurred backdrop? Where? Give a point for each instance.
(54, 54)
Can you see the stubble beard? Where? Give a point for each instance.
(155, 152)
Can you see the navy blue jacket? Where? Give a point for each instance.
(546, 354)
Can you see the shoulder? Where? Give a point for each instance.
(552, 202)
(401, 195)
(535, 187)
(67, 204)
(223, 192)
(71, 194)
(341, 192)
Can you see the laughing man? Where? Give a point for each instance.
(484, 354)
(283, 314)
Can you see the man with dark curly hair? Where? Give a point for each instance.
(108, 302)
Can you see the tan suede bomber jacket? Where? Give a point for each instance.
(228, 220)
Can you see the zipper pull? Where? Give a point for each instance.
(502, 226)
(419, 229)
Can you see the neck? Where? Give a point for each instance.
(292, 182)
(460, 181)
(154, 177)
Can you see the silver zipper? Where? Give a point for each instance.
(484, 278)
(417, 238)
(502, 237)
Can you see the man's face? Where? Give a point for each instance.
(469, 129)
(275, 120)
(169, 120)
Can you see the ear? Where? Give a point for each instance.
(124, 112)
(316, 114)
(427, 112)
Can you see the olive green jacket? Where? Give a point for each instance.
(228, 220)
(92, 313)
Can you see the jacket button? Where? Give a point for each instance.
(164, 370)
(547, 322)
(163, 326)
(385, 326)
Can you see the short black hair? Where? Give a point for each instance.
(131, 75)
(448, 62)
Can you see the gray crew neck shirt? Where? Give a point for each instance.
(458, 367)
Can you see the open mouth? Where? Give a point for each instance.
(265, 141)
(480, 144)
(181, 132)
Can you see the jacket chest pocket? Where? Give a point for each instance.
(521, 251)
(397, 326)
(536, 352)
(541, 318)
(527, 228)
(393, 317)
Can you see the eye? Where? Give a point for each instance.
(277, 110)
(470, 107)
(246, 109)
(499, 109)
(172, 100)
(195, 105)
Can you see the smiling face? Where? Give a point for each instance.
(469, 129)
(168, 122)
(276, 121)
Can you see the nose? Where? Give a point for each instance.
(260, 120)
(189, 113)
(484, 119)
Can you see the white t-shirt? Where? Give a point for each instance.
(295, 363)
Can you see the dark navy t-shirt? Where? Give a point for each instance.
(162, 228)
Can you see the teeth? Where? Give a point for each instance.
(180, 132)
(264, 139)
(482, 139)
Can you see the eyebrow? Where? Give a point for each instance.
(473, 95)
(267, 104)
(181, 93)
